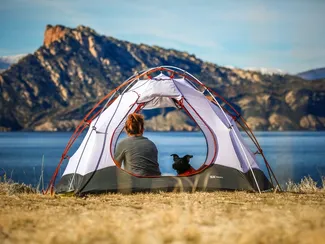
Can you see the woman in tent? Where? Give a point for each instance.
(138, 154)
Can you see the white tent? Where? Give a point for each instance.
(229, 164)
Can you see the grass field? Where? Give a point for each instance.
(218, 217)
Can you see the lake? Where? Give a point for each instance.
(292, 155)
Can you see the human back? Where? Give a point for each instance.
(137, 153)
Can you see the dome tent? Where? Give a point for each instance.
(229, 163)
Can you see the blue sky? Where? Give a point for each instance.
(287, 34)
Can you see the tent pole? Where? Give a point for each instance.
(253, 138)
(94, 128)
(71, 141)
(247, 161)
(121, 95)
(240, 144)
(267, 164)
(230, 125)
(81, 125)
(129, 82)
(103, 145)
(259, 150)
(252, 134)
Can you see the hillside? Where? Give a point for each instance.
(55, 86)
(313, 74)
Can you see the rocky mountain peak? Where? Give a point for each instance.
(54, 33)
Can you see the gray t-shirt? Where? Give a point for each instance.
(139, 156)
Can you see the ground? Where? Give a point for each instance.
(218, 217)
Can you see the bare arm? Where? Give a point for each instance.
(119, 155)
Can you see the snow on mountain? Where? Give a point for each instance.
(267, 71)
(264, 71)
(6, 61)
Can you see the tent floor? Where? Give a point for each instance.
(113, 179)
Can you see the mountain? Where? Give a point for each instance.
(54, 87)
(313, 74)
(6, 61)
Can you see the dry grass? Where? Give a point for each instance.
(15, 188)
(306, 185)
(7, 186)
(219, 217)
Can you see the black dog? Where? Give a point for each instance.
(182, 165)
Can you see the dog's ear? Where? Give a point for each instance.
(188, 157)
(175, 156)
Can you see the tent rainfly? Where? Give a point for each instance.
(229, 164)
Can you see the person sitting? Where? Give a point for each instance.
(138, 154)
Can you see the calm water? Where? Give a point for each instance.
(292, 155)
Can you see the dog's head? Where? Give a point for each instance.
(181, 165)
